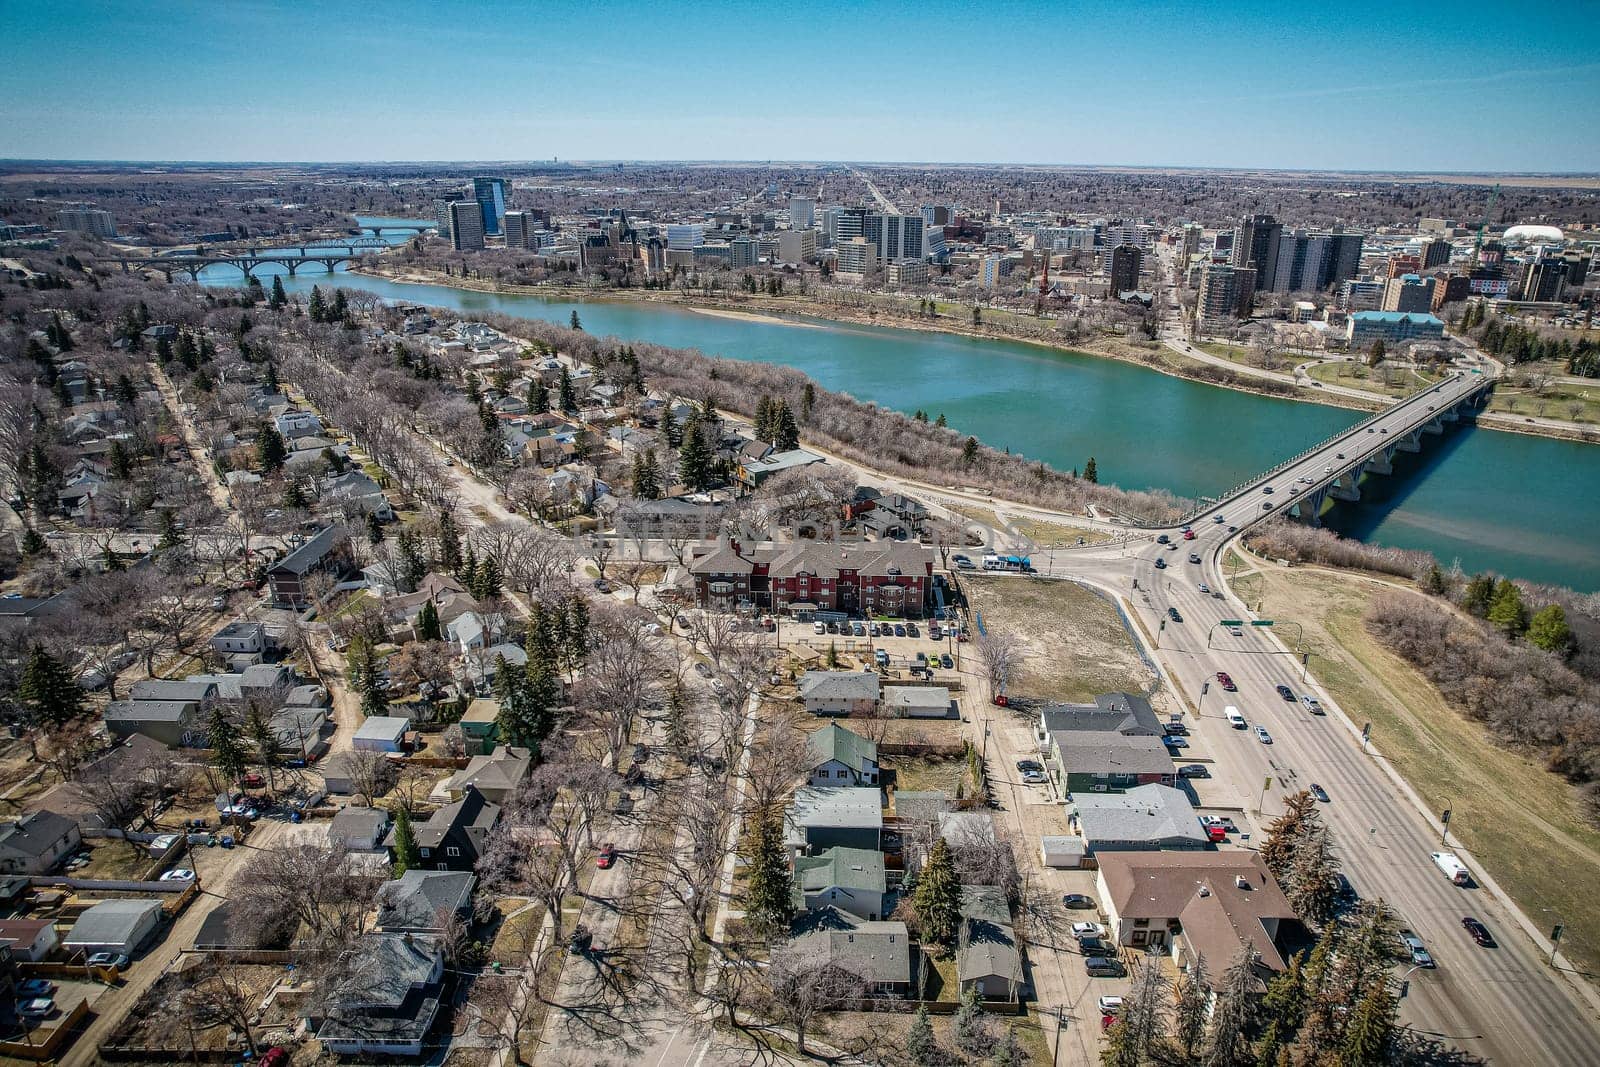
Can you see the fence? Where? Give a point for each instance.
(46, 1049)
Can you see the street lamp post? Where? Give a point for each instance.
(1444, 821)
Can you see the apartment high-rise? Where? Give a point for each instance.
(91, 221)
(1225, 294)
(1408, 293)
(802, 213)
(1124, 269)
(898, 237)
(797, 246)
(849, 223)
(935, 215)
(1255, 245)
(466, 225)
(743, 252)
(490, 194)
(1435, 253)
(991, 270)
(858, 257)
(441, 215)
(518, 229)
(1190, 247)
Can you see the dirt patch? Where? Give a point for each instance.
(1074, 642)
(1521, 821)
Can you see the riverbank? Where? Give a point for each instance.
(792, 310)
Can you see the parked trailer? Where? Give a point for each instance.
(1452, 867)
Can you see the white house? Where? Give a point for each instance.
(840, 757)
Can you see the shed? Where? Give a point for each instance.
(118, 926)
(917, 702)
(382, 733)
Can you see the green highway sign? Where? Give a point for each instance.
(1261, 622)
(1230, 622)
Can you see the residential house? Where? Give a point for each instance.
(839, 692)
(241, 637)
(381, 733)
(29, 939)
(171, 722)
(390, 999)
(480, 725)
(850, 879)
(325, 553)
(117, 926)
(297, 423)
(918, 702)
(1197, 903)
(1143, 818)
(496, 775)
(987, 956)
(35, 843)
(454, 836)
(840, 757)
(879, 953)
(821, 817)
(753, 472)
(886, 515)
(356, 493)
(425, 902)
(672, 517)
(473, 631)
(1123, 713)
(869, 577)
(359, 829)
(1091, 762)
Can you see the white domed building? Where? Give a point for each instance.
(1534, 235)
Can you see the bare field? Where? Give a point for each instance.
(1521, 821)
(1075, 645)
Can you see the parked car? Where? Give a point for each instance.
(1218, 820)
(1034, 777)
(873, 629)
(1097, 967)
(858, 629)
(36, 1008)
(1029, 765)
(35, 987)
(1088, 929)
(1317, 791)
(178, 874)
(1194, 770)
(1262, 735)
(819, 628)
(1224, 680)
(946, 662)
(276, 1056)
(1174, 741)
(1413, 946)
(602, 586)
(1285, 692)
(964, 563)
(108, 959)
(1110, 1005)
(1093, 946)
(1077, 900)
(607, 857)
(899, 630)
(1479, 932)
(912, 631)
(218, 603)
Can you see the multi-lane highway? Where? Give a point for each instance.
(1504, 1004)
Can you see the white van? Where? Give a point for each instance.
(1452, 867)
(1235, 720)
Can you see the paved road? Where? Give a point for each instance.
(1504, 1004)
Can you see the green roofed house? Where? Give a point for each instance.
(850, 879)
(840, 757)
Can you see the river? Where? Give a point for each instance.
(1520, 505)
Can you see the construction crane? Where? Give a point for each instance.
(1488, 210)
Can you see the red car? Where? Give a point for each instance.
(1188, 535)
(607, 857)
(1226, 682)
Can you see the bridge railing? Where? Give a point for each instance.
(1200, 509)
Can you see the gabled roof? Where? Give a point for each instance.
(1124, 713)
(903, 697)
(878, 952)
(834, 742)
(839, 685)
(988, 945)
(471, 811)
(110, 922)
(503, 770)
(847, 868)
(35, 834)
(1090, 752)
(309, 554)
(1157, 815)
(383, 728)
(359, 823)
(423, 900)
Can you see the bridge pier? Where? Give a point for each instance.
(292, 268)
(1379, 464)
(1411, 442)
(1435, 427)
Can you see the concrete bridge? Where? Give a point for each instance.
(397, 227)
(248, 259)
(1333, 469)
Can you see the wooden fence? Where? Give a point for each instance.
(39, 1049)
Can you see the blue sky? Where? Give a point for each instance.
(1351, 85)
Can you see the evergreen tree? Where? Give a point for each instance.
(163, 351)
(808, 400)
(576, 643)
(1091, 473)
(1433, 581)
(449, 542)
(544, 657)
(937, 898)
(694, 457)
(279, 298)
(315, 308)
(48, 689)
(919, 1039)
(489, 579)
(646, 476)
(769, 895)
(538, 396)
(969, 451)
(940, 421)
(265, 741)
(374, 529)
(1286, 831)
(1507, 613)
(1369, 1034)
(294, 498)
(671, 432)
(1549, 630)
(270, 449)
(787, 436)
(575, 322)
(373, 699)
(564, 394)
(1191, 1008)
(121, 467)
(1234, 1014)
(428, 628)
(412, 563)
(340, 312)
(467, 573)
(1283, 1010)
(407, 857)
(1379, 350)
(228, 752)
(125, 392)
(1475, 598)
(34, 544)
(171, 536)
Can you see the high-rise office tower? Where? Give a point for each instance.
(490, 194)
(685, 236)
(802, 213)
(518, 229)
(743, 252)
(466, 225)
(1435, 253)
(1191, 243)
(1124, 269)
(1255, 245)
(898, 237)
(850, 223)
